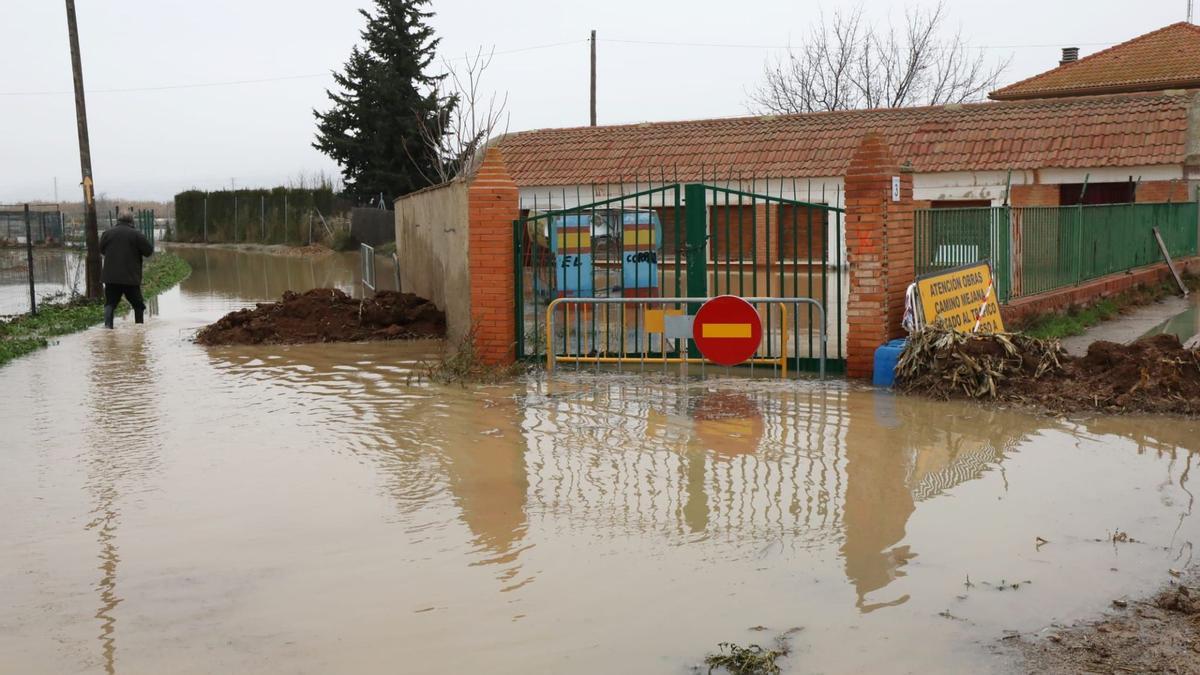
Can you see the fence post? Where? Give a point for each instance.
(29, 262)
(262, 217)
(285, 218)
(206, 217)
(695, 218)
(235, 216)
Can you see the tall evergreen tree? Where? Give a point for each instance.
(373, 129)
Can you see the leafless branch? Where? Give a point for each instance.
(472, 118)
(847, 62)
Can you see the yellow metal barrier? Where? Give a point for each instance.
(602, 357)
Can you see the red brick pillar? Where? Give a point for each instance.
(901, 263)
(879, 247)
(492, 205)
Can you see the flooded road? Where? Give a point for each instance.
(322, 509)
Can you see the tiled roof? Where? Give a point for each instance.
(1086, 132)
(1168, 58)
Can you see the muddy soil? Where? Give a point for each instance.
(328, 315)
(1154, 374)
(1159, 635)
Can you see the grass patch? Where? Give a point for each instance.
(27, 333)
(386, 249)
(1075, 320)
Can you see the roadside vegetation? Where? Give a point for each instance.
(1076, 320)
(28, 333)
(462, 365)
(343, 240)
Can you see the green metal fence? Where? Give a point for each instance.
(1037, 249)
(948, 238)
(661, 237)
(145, 223)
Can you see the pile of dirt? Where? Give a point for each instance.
(1153, 374)
(310, 251)
(328, 315)
(1161, 635)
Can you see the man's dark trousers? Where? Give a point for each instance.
(132, 293)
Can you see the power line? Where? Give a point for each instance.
(165, 87)
(261, 80)
(726, 45)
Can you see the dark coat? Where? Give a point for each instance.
(123, 248)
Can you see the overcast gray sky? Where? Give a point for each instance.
(151, 144)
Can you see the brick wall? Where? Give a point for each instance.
(667, 216)
(880, 251)
(766, 216)
(740, 221)
(1162, 191)
(1035, 195)
(493, 204)
(795, 235)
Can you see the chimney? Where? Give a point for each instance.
(1070, 55)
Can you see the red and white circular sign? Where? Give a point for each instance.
(727, 330)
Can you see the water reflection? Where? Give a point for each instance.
(55, 271)
(746, 463)
(122, 452)
(252, 276)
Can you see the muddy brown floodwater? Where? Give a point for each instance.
(176, 508)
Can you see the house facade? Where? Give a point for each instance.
(1118, 127)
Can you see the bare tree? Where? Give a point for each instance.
(846, 62)
(459, 136)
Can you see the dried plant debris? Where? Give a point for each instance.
(1152, 374)
(749, 660)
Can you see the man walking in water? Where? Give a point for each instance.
(123, 248)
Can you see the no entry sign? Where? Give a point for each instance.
(727, 330)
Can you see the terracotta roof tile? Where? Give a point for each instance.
(1079, 132)
(1168, 58)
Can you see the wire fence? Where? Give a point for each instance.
(32, 270)
(47, 224)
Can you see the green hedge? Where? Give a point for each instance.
(260, 216)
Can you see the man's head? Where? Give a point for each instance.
(125, 219)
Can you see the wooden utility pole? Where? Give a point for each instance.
(91, 234)
(593, 78)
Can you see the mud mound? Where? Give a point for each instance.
(328, 315)
(1153, 374)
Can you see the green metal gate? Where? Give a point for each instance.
(696, 240)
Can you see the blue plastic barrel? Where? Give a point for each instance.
(886, 357)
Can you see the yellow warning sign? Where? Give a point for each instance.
(957, 297)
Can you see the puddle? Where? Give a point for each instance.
(1183, 325)
(320, 509)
